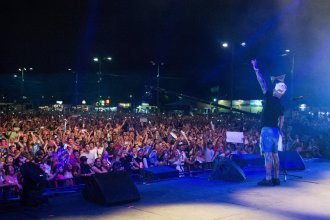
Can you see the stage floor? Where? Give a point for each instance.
(197, 198)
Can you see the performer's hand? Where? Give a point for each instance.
(254, 64)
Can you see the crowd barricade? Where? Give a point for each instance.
(7, 193)
(75, 184)
(64, 186)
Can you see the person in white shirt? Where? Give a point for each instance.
(90, 152)
(209, 154)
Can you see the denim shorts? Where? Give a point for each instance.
(269, 139)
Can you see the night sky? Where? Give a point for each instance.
(186, 35)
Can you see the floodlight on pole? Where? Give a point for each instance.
(232, 71)
(23, 70)
(99, 60)
(76, 78)
(158, 64)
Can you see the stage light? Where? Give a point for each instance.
(259, 102)
(302, 107)
(225, 45)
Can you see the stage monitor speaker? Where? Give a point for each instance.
(291, 160)
(226, 170)
(32, 172)
(34, 183)
(159, 172)
(110, 189)
(249, 160)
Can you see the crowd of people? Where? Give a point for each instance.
(70, 146)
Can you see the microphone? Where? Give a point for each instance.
(297, 98)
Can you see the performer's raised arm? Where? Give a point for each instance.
(281, 122)
(260, 78)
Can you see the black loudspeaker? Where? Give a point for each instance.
(291, 160)
(226, 170)
(249, 160)
(32, 172)
(159, 172)
(34, 184)
(110, 189)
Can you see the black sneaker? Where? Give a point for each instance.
(265, 182)
(276, 181)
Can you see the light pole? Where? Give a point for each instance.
(99, 73)
(158, 76)
(76, 78)
(23, 70)
(232, 69)
(292, 57)
(292, 75)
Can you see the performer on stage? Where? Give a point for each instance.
(272, 120)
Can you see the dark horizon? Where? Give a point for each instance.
(187, 36)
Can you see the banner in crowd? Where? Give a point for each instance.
(145, 120)
(234, 137)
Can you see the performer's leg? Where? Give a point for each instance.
(276, 179)
(268, 164)
(276, 165)
(266, 145)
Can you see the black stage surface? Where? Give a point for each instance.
(197, 198)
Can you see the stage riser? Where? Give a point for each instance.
(160, 172)
(291, 160)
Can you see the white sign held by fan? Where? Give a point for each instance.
(143, 120)
(234, 137)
